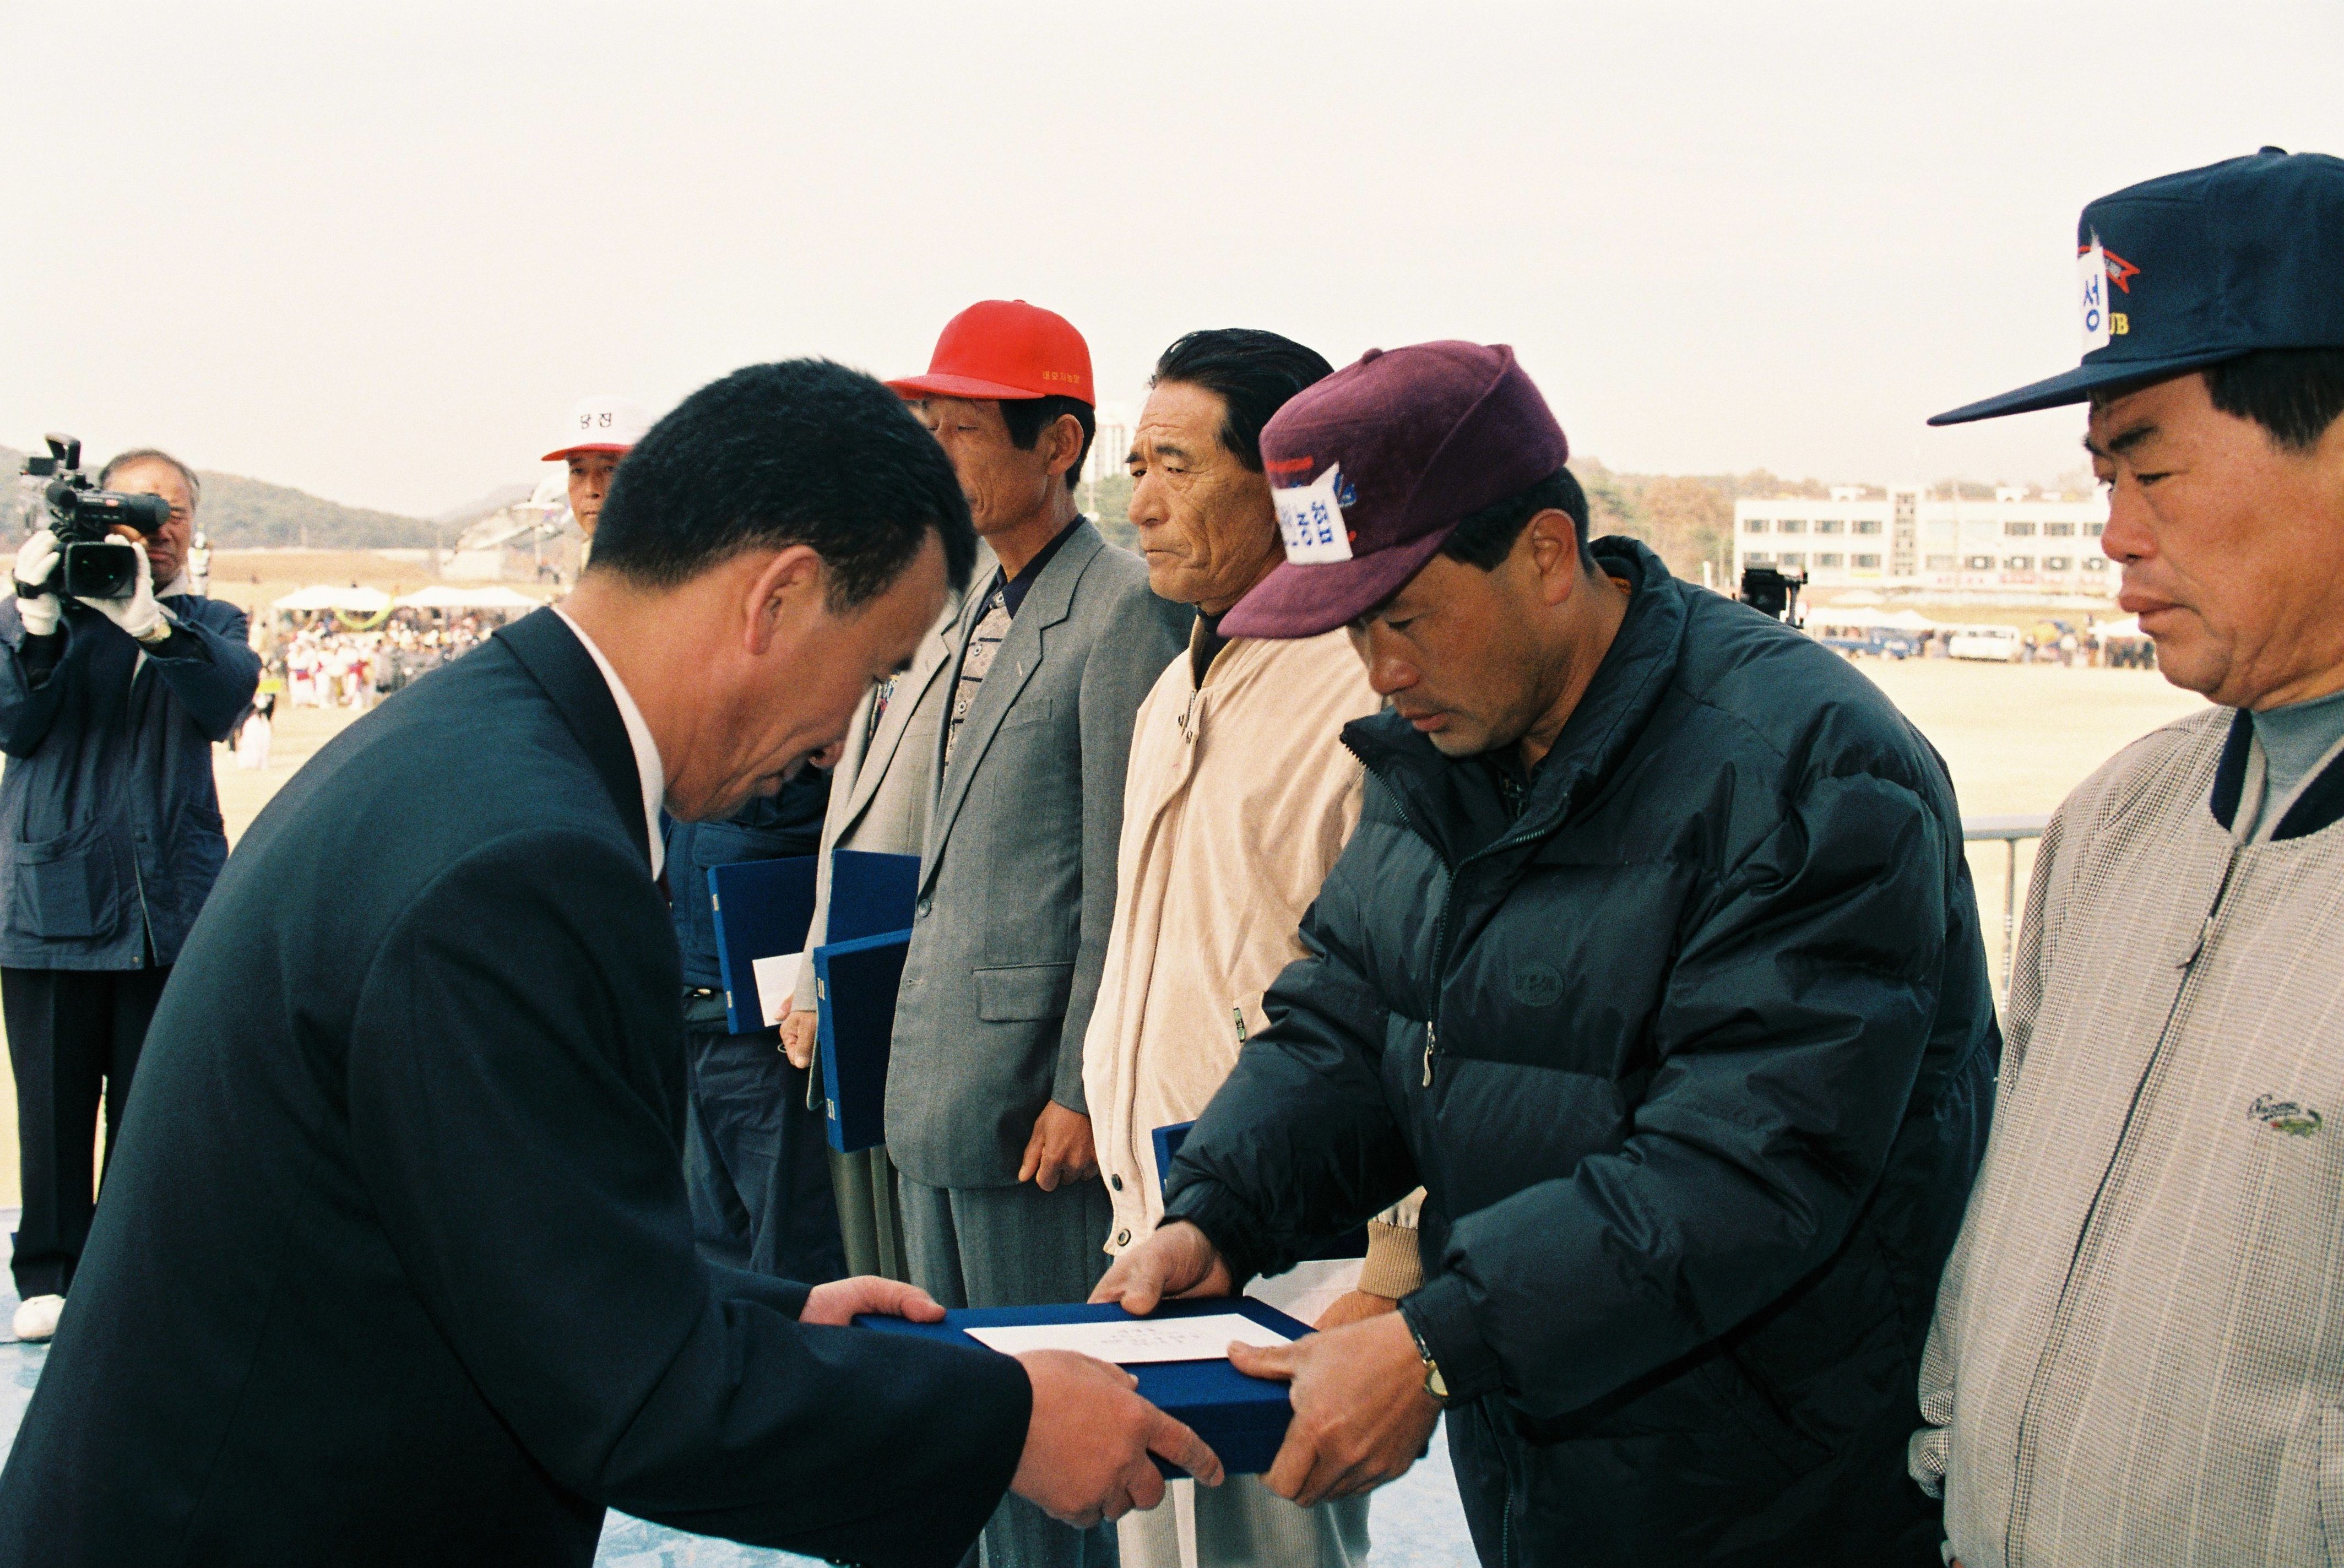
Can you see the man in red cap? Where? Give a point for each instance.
(1654, 960)
(1002, 1201)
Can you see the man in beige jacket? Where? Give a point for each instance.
(1238, 799)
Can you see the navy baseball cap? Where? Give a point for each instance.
(2194, 269)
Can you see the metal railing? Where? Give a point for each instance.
(2011, 830)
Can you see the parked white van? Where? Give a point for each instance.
(1998, 645)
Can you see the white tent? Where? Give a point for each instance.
(450, 596)
(1892, 619)
(327, 596)
(2127, 627)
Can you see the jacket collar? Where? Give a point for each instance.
(1454, 803)
(1047, 604)
(560, 664)
(2321, 805)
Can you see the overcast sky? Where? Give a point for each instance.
(376, 252)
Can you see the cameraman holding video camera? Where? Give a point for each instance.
(115, 678)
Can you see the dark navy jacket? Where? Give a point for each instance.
(110, 833)
(1692, 1053)
(395, 1266)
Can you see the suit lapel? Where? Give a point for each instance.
(934, 655)
(550, 651)
(1048, 603)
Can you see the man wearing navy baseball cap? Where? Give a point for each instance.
(2138, 1355)
(1653, 959)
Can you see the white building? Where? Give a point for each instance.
(2011, 544)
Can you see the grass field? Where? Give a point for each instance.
(2017, 738)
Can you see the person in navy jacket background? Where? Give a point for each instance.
(110, 839)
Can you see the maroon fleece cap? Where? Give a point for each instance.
(1373, 467)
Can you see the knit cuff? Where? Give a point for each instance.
(1394, 1267)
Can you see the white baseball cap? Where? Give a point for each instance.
(601, 425)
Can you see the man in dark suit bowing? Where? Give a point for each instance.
(396, 1264)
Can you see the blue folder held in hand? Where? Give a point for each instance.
(763, 909)
(856, 973)
(856, 982)
(870, 894)
(1241, 1419)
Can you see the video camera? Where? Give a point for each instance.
(1772, 593)
(57, 495)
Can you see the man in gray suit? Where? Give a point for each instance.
(1002, 1202)
(880, 796)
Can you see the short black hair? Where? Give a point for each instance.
(804, 452)
(1487, 537)
(1027, 418)
(1253, 373)
(2293, 393)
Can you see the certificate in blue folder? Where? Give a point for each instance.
(1243, 1419)
(856, 982)
(763, 909)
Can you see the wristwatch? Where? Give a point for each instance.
(1434, 1383)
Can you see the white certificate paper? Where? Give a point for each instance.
(777, 983)
(1131, 1341)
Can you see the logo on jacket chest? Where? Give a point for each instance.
(2285, 1116)
(1536, 985)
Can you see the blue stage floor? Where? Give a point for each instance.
(1415, 1523)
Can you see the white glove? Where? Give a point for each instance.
(37, 602)
(138, 614)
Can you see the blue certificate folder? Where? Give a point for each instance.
(870, 894)
(856, 982)
(762, 908)
(1241, 1419)
(855, 976)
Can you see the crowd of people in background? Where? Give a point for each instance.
(326, 663)
(322, 662)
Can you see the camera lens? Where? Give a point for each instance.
(98, 568)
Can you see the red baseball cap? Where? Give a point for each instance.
(1006, 349)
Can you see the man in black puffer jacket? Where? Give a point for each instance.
(1654, 959)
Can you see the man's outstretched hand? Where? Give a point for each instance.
(1089, 1441)
(1361, 1414)
(841, 1302)
(1175, 1261)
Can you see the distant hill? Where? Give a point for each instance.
(241, 513)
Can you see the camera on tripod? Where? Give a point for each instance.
(58, 496)
(1772, 593)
